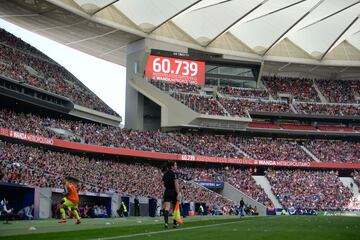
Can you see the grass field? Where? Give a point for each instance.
(195, 228)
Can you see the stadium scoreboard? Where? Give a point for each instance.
(200, 68)
(175, 70)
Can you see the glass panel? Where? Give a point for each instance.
(235, 76)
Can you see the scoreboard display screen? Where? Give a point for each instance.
(175, 70)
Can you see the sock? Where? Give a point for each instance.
(166, 216)
(174, 222)
(76, 214)
(62, 213)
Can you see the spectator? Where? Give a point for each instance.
(5, 212)
(339, 91)
(22, 62)
(137, 206)
(26, 213)
(319, 190)
(243, 92)
(300, 89)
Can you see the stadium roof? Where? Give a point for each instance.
(306, 31)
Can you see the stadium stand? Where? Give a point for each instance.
(176, 86)
(239, 107)
(23, 63)
(243, 92)
(199, 103)
(263, 125)
(272, 149)
(90, 133)
(298, 127)
(337, 91)
(356, 176)
(44, 168)
(334, 151)
(328, 109)
(208, 145)
(238, 102)
(10, 40)
(300, 89)
(240, 179)
(328, 128)
(320, 190)
(181, 143)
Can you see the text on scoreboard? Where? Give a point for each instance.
(175, 70)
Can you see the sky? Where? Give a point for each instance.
(107, 80)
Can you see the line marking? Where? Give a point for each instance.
(163, 231)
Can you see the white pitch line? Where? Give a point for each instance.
(163, 231)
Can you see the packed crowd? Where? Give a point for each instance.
(327, 109)
(175, 86)
(338, 91)
(334, 151)
(320, 190)
(202, 104)
(8, 39)
(300, 88)
(307, 100)
(197, 193)
(208, 145)
(240, 179)
(44, 168)
(272, 149)
(182, 143)
(26, 65)
(243, 92)
(356, 176)
(240, 107)
(234, 107)
(90, 133)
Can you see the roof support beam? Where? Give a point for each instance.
(292, 26)
(355, 33)
(344, 69)
(313, 68)
(340, 35)
(234, 23)
(211, 5)
(173, 16)
(102, 8)
(275, 11)
(284, 66)
(328, 16)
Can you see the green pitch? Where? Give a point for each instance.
(195, 228)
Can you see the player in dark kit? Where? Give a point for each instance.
(172, 191)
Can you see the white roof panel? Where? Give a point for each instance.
(291, 28)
